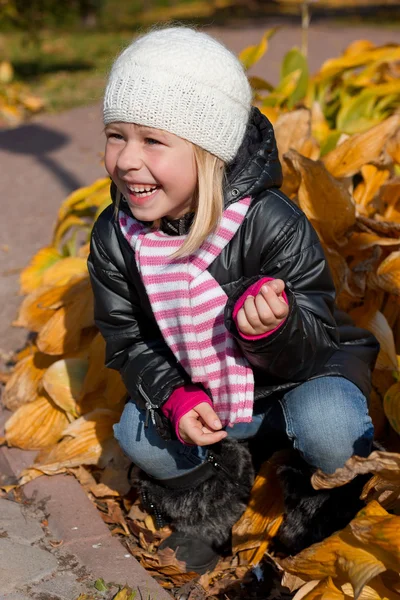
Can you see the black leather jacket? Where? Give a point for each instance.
(274, 240)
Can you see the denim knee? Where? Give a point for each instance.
(328, 421)
(156, 457)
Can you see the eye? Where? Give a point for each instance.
(116, 136)
(151, 141)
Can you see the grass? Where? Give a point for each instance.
(67, 69)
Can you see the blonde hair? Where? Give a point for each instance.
(208, 201)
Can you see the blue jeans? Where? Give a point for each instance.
(326, 419)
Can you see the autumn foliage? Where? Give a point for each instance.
(338, 134)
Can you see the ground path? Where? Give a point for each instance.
(43, 161)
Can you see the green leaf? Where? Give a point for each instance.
(356, 113)
(283, 90)
(330, 142)
(100, 585)
(295, 61)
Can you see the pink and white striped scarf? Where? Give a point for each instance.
(188, 304)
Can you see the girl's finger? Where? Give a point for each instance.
(250, 310)
(278, 285)
(242, 323)
(276, 303)
(265, 313)
(208, 416)
(206, 439)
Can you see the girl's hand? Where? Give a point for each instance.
(200, 426)
(265, 311)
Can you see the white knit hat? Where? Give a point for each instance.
(185, 82)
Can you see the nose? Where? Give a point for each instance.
(130, 157)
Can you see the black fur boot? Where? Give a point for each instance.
(203, 505)
(312, 515)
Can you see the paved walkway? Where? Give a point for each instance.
(55, 546)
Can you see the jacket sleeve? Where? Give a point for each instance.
(309, 336)
(134, 347)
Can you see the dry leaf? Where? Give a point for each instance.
(386, 464)
(391, 405)
(63, 381)
(322, 590)
(252, 534)
(36, 425)
(84, 443)
(368, 317)
(23, 385)
(362, 148)
(325, 200)
(338, 555)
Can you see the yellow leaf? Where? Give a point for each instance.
(334, 66)
(388, 273)
(375, 590)
(362, 241)
(377, 414)
(368, 317)
(324, 590)
(125, 594)
(65, 270)
(39, 307)
(23, 385)
(319, 124)
(81, 195)
(339, 268)
(271, 113)
(28, 475)
(292, 130)
(32, 103)
(358, 47)
(85, 443)
(32, 275)
(12, 114)
(380, 534)
(97, 372)
(251, 55)
(62, 333)
(391, 405)
(366, 191)
(63, 381)
(68, 222)
(393, 147)
(36, 425)
(252, 534)
(326, 201)
(349, 156)
(337, 556)
(6, 72)
(260, 84)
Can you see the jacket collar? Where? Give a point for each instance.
(255, 168)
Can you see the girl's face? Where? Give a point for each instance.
(153, 169)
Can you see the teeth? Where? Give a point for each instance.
(141, 189)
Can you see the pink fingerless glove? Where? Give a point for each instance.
(181, 401)
(253, 291)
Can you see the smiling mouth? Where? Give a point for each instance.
(142, 191)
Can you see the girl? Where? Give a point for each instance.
(216, 302)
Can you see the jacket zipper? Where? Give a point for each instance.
(149, 408)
